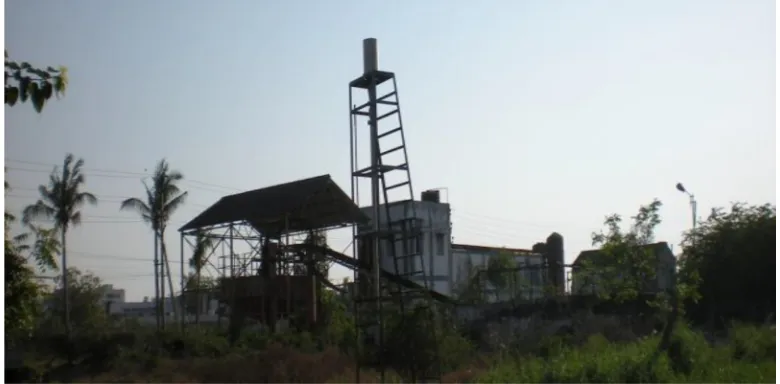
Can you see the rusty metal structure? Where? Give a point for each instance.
(277, 277)
(390, 245)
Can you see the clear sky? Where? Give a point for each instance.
(538, 116)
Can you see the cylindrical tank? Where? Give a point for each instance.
(555, 262)
(370, 55)
(431, 196)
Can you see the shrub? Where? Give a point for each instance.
(689, 359)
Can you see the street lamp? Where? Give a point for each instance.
(692, 199)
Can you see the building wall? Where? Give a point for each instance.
(112, 298)
(467, 259)
(434, 242)
(445, 263)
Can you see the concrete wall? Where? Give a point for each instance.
(469, 258)
(433, 244)
(445, 263)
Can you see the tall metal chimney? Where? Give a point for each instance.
(370, 55)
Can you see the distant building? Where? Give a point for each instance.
(447, 264)
(468, 258)
(112, 299)
(587, 281)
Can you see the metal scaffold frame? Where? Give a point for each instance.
(279, 224)
(387, 238)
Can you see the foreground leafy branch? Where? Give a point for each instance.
(24, 82)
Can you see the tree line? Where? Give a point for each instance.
(724, 273)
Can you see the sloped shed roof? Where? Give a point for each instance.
(301, 205)
(596, 256)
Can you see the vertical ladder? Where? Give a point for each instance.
(401, 237)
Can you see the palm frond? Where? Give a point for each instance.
(171, 206)
(22, 237)
(9, 218)
(85, 197)
(62, 197)
(39, 210)
(50, 195)
(174, 176)
(203, 244)
(135, 204)
(75, 218)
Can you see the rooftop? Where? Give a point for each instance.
(484, 248)
(302, 205)
(595, 254)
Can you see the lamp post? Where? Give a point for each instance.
(692, 199)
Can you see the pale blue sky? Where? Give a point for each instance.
(538, 116)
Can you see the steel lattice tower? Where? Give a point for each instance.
(392, 239)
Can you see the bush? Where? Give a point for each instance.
(412, 348)
(202, 354)
(689, 359)
(752, 343)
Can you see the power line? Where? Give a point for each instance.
(482, 217)
(105, 256)
(119, 172)
(101, 197)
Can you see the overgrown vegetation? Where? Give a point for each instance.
(603, 349)
(691, 359)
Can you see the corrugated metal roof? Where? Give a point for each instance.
(301, 205)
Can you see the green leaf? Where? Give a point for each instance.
(46, 90)
(11, 95)
(36, 97)
(61, 83)
(43, 74)
(24, 83)
(26, 65)
(13, 65)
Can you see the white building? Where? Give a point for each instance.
(528, 282)
(112, 299)
(446, 264)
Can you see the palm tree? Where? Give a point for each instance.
(163, 197)
(203, 243)
(61, 201)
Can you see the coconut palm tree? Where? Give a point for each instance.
(61, 201)
(163, 197)
(203, 244)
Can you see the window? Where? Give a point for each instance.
(439, 244)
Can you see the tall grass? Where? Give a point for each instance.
(748, 355)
